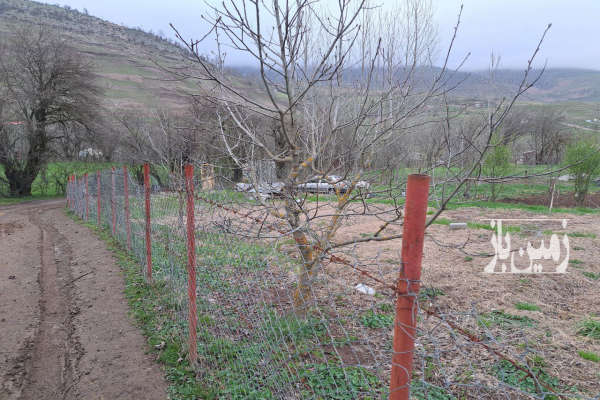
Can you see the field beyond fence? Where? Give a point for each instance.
(231, 269)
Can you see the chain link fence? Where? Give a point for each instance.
(264, 325)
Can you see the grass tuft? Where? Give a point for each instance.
(586, 355)
(505, 320)
(591, 275)
(374, 320)
(590, 328)
(527, 307)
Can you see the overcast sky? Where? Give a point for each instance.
(508, 28)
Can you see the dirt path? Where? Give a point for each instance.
(65, 332)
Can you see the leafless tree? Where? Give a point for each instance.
(46, 83)
(549, 135)
(340, 84)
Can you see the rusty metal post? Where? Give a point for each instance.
(112, 201)
(191, 267)
(69, 192)
(126, 202)
(87, 198)
(148, 227)
(75, 202)
(98, 198)
(415, 214)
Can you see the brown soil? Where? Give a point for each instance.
(453, 263)
(65, 332)
(592, 200)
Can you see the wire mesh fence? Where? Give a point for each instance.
(273, 316)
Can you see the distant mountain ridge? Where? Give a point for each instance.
(128, 64)
(555, 85)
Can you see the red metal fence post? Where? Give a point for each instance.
(75, 195)
(126, 202)
(87, 198)
(98, 197)
(415, 214)
(69, 192)
(148, 228)
(191, 267)
(112, 200)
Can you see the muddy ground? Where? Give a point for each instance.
(65, 332)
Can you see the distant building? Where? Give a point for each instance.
(528, 158)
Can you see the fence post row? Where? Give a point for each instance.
(417, 190)
(87, 198)
(112, 201)
(126, 206)
(191, 267)
(148, 228)
(98, 197)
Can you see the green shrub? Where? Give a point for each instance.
(496, 163)
(583, 160)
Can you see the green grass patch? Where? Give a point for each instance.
(479, 225)
(575, 261)
(591, 275)
(587, 355)
(430, 293)
(422, 390)
(590, 328)
(582, 235)
(505, 320)
(158, 327)
(329, 381)
(527, 307)
(7, 201)
(51, 182)
(375, 320)
(506, 372)
(526, 207)
(386, 307)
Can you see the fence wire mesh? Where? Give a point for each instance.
(279, 318)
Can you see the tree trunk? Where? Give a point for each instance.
(20, 181)
(308, 270)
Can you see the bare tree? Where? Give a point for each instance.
(324, 117)
(46, 84)
(549, 136)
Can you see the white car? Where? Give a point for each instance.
(329, 184)
(265, 190)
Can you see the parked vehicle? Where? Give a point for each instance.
(317, 184)
(265, 190)
(330, 184)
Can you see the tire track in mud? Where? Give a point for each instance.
(76, 339)
(49, 367)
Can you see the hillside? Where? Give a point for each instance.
(128, 64)
(555, 85)
(128, 61)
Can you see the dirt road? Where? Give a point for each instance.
(65, 332)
